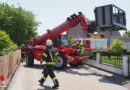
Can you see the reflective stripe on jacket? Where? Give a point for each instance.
(49, 54)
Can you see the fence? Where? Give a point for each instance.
(112, 63)
(8, 63)
(112, 59)
(92, 56)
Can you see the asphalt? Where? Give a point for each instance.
(78, 78)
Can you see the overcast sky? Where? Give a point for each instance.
(52, 13)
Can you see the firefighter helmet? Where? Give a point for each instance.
(81, 44)
(48, 42)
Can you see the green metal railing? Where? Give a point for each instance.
(92, 56)
(114, 60)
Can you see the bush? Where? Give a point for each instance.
(13, 47)
(128, 52)
(117, 47)
(6, 45)
(5, 40)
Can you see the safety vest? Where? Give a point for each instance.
(82, 50)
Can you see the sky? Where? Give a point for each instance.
(52, 13)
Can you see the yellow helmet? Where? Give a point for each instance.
(81, 44)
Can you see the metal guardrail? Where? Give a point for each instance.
(113, 60)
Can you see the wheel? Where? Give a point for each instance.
(29, 59)
(60, 61)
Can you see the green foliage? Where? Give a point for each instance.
(4, 40)
(117, 47)
(6, 45)
(128, 52)
(98, 50)
(71, 41)
(13, 47)
(20, 24)
(126, 34)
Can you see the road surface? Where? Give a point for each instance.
(81, 78)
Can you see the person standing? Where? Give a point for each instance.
(22, 53)
(82, 49)
(48, 55)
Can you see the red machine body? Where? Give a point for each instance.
(35, 47)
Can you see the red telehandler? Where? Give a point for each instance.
(36, 46)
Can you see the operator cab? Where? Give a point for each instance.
(60, 40)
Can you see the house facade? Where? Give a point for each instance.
(104, 37)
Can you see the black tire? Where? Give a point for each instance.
(29, 59)
(61, 61)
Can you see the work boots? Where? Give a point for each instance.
(56, 84)
(41, 81)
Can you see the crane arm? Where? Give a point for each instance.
(67, 25)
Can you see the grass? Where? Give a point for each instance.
(114, 60)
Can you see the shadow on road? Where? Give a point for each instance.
(116, 79)
(45, 88)
(76, 71)
(36, 66)
(69, 70)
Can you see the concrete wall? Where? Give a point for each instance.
(106, 67)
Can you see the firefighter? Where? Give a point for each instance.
(77, 48)
(82, 49)
(48, 55)
(22, 53)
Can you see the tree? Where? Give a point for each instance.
(117, 47)
(127, 34)
(20, 24)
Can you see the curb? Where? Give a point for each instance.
(10, 77)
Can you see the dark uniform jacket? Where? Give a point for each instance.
(49, 54)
